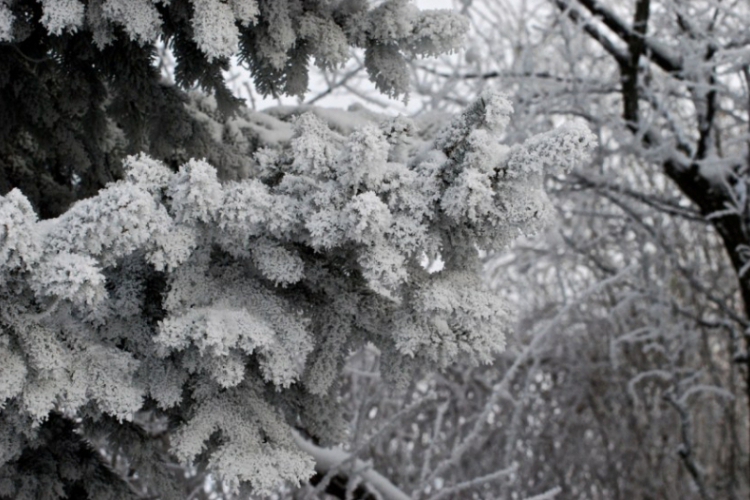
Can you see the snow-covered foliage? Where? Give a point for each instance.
(6, 22)
(171, 255)
(276, 37)
(237, 301)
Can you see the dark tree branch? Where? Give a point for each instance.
(711, 197)
(338, 485)
(566, 8)
(656, 53)
(654, 201)
(686, 449)
(636, 40)
(706, 119)
(489, 75)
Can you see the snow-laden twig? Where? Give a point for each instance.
(327, 459)
(352, 456)
(435, 435)
(686, 448)
(473, 483)
(702, 389)
(547, 495)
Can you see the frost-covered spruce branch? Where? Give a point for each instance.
(267, 283)
(79, 88)
(276, 38)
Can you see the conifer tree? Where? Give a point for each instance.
(167, 253)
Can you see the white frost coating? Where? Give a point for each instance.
(437, 32)
(140, 18)
(281, 34)
(84, 371)
(196, 193)
(470, 197)
(61, 15)
(556, 150)
(387, 69)
(215, 31)
(20, 245)
(397, 25)
(327, 39)
(485, 152)
(366, 146)
(172, 247)
(6, 22)
(215, 331)
(148, 174)
(118, 221)
(492, 109)
(393, 19)
(265, 459)
(498, 109)
(278, 264)
(246, 11)
(12, 373)
(70, 276)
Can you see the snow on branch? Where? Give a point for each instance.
(274, 37)
(327, 459)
